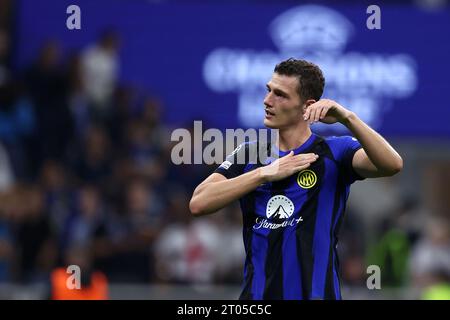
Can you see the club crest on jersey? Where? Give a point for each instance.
(306, 179)
(279, 206)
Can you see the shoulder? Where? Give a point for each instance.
(341, 141)
(336, 140)
(244, 154)
(342, 146)
(249, 148)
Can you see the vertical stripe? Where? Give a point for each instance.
(344, 192)
(259, 248)
(337, 285)
(322, 241)
(331, 291)
(248, 209)
(259, 254)
(255, 246)
(292, 281)
(304, 235)
(274, 266)
(274, 260)
(292, 271)
(305, 229)
(336, 217)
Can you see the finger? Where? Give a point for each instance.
(324, 112)
(286, 158)
(306, 115)
(305, 155)
(318, 113)
(302, 167)
(309, 158)
(305, 161)
(289, 155)
(311, 115)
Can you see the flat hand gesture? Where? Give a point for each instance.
(287, 166)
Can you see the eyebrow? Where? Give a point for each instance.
(277, 91)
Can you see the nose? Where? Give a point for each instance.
(268, 99)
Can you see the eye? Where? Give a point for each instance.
(280, 94)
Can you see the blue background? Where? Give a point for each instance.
(164, 46)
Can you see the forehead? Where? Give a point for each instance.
(288, 84)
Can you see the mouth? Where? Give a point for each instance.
(269, 114)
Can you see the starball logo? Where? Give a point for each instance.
(365, 82)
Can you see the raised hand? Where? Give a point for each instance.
(326, 111)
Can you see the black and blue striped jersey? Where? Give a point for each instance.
(290, 226)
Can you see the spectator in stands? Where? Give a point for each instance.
(88, 218)
(78, 100)
(5, 73)
(132, 231)
(431, 255)
(6, 169)
(34, 236)
(7, 247)
(144, 154)
(186, 251)
(100, 68)
(47, 86)
(17, 124)
(231, 257)
(93, 162)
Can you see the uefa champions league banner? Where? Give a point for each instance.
(211, 61)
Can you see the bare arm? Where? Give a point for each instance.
(217, 191)
(377, 158)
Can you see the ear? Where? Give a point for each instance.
(307, 104)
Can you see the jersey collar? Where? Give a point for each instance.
(308, 143)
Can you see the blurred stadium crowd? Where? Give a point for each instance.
(86, 178)
(85, 167)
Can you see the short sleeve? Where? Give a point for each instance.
(235, 162)
(343, 149)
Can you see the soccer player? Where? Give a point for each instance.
(293, 205)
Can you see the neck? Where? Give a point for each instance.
(293, 137)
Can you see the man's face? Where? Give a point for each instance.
(283, 105)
